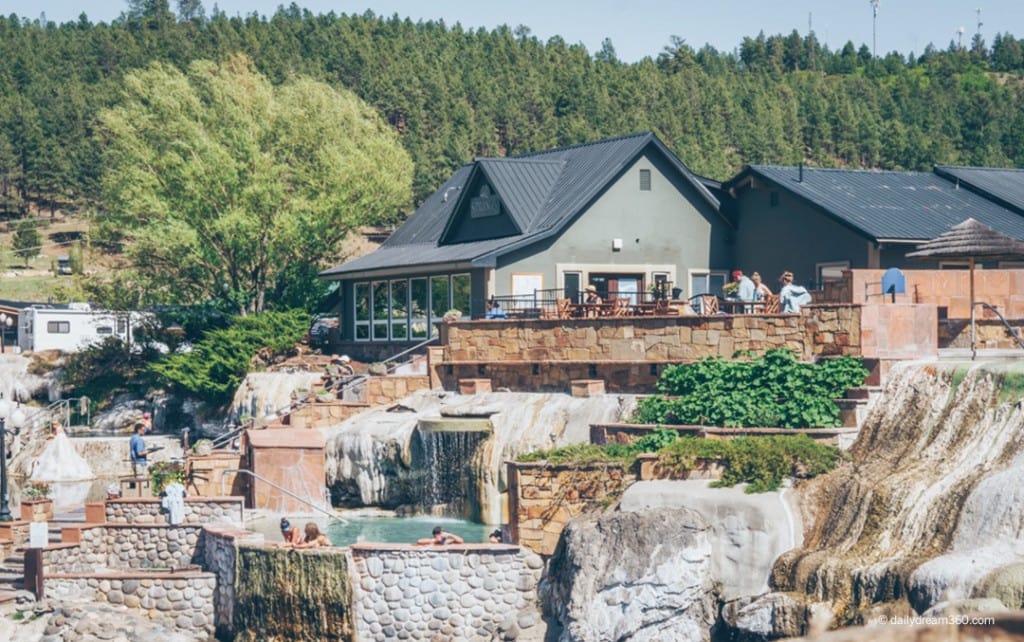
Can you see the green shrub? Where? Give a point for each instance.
(108, 367)
(219, 362)
(761, 462)
(164, 473)
(776, 390)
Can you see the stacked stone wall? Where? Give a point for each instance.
(184, 601)
(543, 497)
(462, 592)
(198, 510)
(125, 547)
(387, 390)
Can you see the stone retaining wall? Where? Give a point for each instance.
(626, 433)
(198, 510)
(124, 547)
(462, 592)
(387, 390)
(544, 497)
(181, 600)
(818, 330)
(990, 334)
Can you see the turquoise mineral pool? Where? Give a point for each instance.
(403, 530)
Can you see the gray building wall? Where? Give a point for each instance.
(671, 227)
(792, 235)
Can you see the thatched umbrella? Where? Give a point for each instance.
(972, 241)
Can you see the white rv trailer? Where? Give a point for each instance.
(72, 327)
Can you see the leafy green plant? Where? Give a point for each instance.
(217, 364)
(164, 473)
(775, 390)
(103, 369)
(36, 490)
(761, 462)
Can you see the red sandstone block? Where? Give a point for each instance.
(587, 387)
(474, 386)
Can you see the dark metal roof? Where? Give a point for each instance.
(1005, 186)
(543, 192)
(882, 205)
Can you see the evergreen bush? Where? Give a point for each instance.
(219, 362)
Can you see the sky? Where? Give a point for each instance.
(639, 28)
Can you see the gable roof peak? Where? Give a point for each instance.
(648, 135)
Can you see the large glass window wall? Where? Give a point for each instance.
(407, 309)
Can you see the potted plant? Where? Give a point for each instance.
(164, 473)
(36, 505)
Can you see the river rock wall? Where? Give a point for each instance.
(462, 592)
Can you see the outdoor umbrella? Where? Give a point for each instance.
(972, 241)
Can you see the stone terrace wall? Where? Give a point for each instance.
(555, 376)
(461, 592)
(819, 329)
(387, 390)
(990, 333)
(198, 510)
(181, 600)
(656, 339)
(544, 497)
(124, 546)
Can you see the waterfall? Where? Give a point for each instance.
(931, 506)
(370, 456)
(449, 465)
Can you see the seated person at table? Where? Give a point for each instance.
(745, 289)
(761, 291)
(792, 296)
(591, 301)
(494, 310)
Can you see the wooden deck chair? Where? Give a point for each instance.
(771, 304)
(622, 307)
(708, 304)
(564, 308)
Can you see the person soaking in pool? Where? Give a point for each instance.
(292, 534)
(441, 537)
(313, 538)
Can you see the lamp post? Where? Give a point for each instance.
(17, 419)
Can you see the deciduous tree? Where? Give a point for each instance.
(219, 184)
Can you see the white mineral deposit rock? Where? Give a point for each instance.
(636, 576)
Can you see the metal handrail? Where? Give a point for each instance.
(1013, 333)
(407, 351)
(223, 492)
(61, 406)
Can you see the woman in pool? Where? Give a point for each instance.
(314, 538)
(440, 537)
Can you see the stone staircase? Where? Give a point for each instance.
(854, 407)
(12, 568)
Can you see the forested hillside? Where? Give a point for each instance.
(453, 94)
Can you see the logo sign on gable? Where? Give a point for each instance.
(485, 204)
